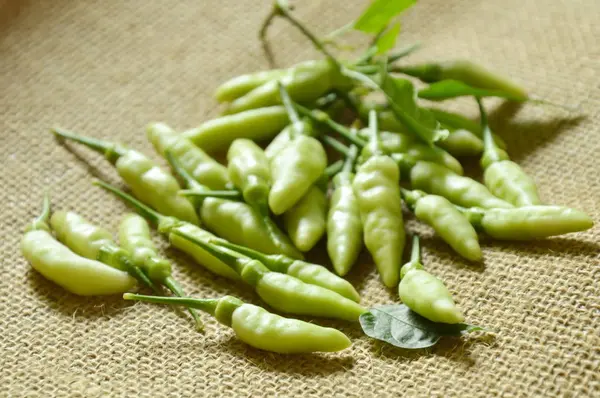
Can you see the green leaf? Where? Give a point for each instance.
(446, 89)
(402, 100)
(387, 40)
(400, 326)
(379, 13)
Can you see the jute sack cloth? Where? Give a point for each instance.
(108, 68)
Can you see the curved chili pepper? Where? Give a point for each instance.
(259, 328)
(238, 86)
(194, 160)
(503, 177)
(424, 293)
(78, 275)
(149, 183)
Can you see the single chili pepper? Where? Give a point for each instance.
(297, 166)
(305, 221)
(250, 173)
(439, 213)
(344, 226)
(259, 328)
(503, 177)
(284, 292)
(168, 225)
(378, 193)
(255, 124)
(149, 183)
(96, 243)
(194, 160)
(238, 86)
(400, 143)
(467, 72)
(305, 83)
(285, 137)
(134, 237)
(313, 274)
(461, 142)
(235, 220)
(459, 122)
(78, 275)
(424, 293)
(463, 191)
(528, 222)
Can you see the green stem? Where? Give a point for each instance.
(41, 221)
(323, 118)
(209, 193)
(374, 141)
(334, 168)
(215, 251)
(288, 105)
(187, 178)
(415, 253)
(488, 139)
(336, 145)
(245, 251)
(177, 290)
(206, 305)
(350, 159)
(262, 35)
(403, 52)
(111, 151)
(411, 197)
(141, 208)
(284, 11)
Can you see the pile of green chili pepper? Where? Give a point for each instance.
(295, 175)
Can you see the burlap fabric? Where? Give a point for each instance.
(108, 68)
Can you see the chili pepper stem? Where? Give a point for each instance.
(177, 290)
(415, 253)
(243, 250)
(209, 193)
(289, 107)
(111, 151)
(323, 118)
(144, 210)
(138, 274)
(206, 305)
(262, 35)
(216, 251)
(490, 146)
(189, 181)
(333, 169)
(41, 221)
(374, 140)
(336, 145)
(351, 156)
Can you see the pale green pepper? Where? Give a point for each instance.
(344, 226)
(256, 124)
(297, 166)
(378, 193)
(285, 137)
(424, 293)
(149, 183)
(305, 221)
(259, 328)
(503, 177)
(446, 220)
(313, 274)
(194, 160)
(238, 86)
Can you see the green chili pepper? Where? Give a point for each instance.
(194, 160)
(466, 72)
(424, 293)
(285, 137)
(446, 220)
(283, 292)
(305, 221)
(503, 177)
(305, 83)
(459, 122)
(78, 275)
(400, 143)
(255, 124)
(149, 183)
(461, 142)
(297, 166)
(312, 274)
(234, 220)
(378, 193)
(169, 225)
(238, 86)
(95, 243)
(528, 222)
(134, 237)
(249, 170)
(259, 328)
(344, 226)
(463, 191)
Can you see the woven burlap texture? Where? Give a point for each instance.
(108, 68)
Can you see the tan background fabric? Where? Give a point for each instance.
(107, 68)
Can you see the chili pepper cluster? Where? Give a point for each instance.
(281, 192)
